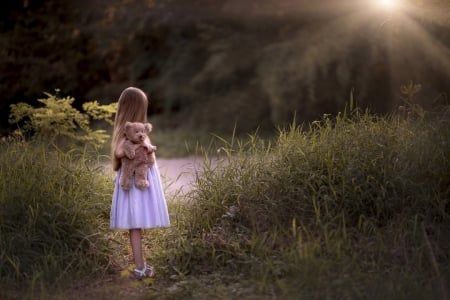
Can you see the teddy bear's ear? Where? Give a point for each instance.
(148, 127)
(127, 125)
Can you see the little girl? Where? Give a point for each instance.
(135, 209)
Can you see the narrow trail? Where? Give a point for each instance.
(178, 174)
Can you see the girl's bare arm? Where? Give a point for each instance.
(118, 152)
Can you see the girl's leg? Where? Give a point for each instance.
(136, 247)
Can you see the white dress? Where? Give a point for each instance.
(138, 208)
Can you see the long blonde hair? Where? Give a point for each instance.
(132, 107)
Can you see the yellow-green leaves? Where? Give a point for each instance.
(57, 121)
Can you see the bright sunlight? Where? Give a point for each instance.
(387, 3)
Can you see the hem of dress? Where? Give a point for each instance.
(145, 227)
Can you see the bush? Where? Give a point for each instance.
(57, 121)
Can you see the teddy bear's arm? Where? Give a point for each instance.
(148, 146)
(129, 149)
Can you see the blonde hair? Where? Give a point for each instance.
(132, 107)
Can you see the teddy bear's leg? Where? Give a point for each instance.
(125, 177)
(141, 177)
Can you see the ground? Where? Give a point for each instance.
(179, 174)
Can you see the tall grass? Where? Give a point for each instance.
(355, 206)
(54, 212)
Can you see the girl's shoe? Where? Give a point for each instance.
(146, 271)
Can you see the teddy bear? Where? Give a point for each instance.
(139, 155)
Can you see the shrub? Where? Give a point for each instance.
(59, 122)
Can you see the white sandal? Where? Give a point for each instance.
(147, 271)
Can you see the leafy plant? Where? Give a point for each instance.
(57, 121)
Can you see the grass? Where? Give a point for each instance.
(182, 142)
(54, 212)
(348, 207)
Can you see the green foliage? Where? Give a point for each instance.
(100, 112)
(356, 206)
(54, 213)
(250, 64)
(58, 121)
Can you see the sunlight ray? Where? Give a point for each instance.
(433, 50)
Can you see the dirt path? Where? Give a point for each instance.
(178, 174)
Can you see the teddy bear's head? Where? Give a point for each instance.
(136, 131)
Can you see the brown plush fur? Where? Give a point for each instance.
(139, 155)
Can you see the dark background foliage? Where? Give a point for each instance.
(213, 64)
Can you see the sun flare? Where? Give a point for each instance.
(387, 3)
